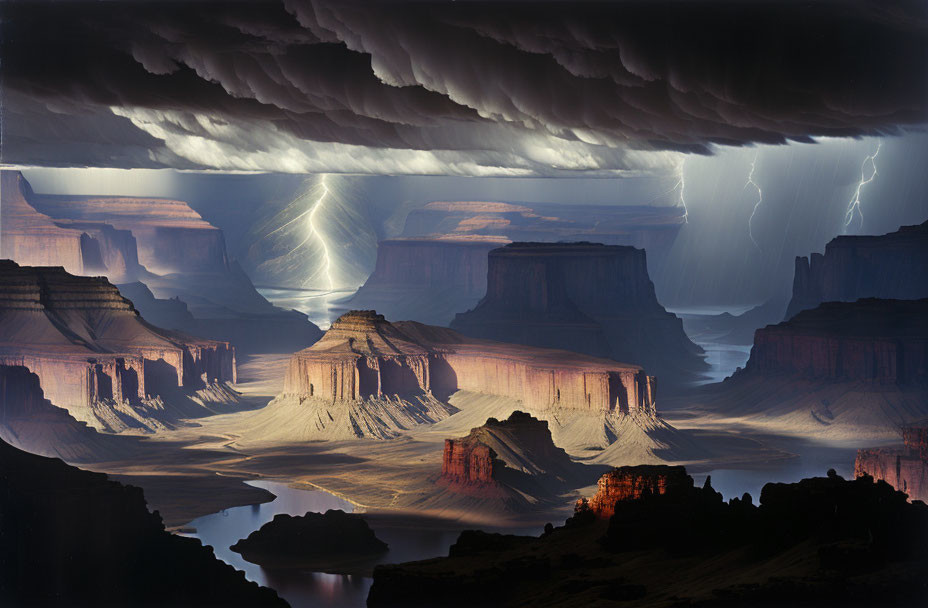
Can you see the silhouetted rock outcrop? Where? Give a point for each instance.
(855, 267)
(584, 297)
(93, 353)
(73, 538)
(331, 542)
(905, 468)
(819, 542)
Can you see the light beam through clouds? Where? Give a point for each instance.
(853, 206)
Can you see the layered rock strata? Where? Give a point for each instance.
(906, 468)
(370, 378)
(427, 279)
(163, 243)
(89, 346)
(631, 483)
(874, 341)
(855, 267)
(516, 453)
(585, 297)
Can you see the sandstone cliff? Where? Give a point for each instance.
(876, 341)
(163, 243)
(370, 378)
(502, 456)
(906, 468)
(855, 267)
(75, 538)
(631, 483)
(585, 297)
(93, 353)
(845, 371)
(427, 279)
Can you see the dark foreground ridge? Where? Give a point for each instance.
(314, 540)
(73, 538)
(820, 542)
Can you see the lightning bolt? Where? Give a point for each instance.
(314, 233)
(760, 199)
(681, 184)
(853, 206)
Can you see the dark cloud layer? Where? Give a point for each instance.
(440, 87)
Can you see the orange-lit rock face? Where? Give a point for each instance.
(855, 267)
(363, 355)
(467, 463)
(87, 344)
(630, 483)
(905, 469)
(878, 341)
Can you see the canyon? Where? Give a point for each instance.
(162, 244)
(95, 356)
(584, 297)
(905, 468)
(855, 267)
(843, 372)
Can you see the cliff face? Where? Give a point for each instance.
(855, 267)
(876, 341)
(905, 469)
(89, 346)
(585, 297)
(72, 537)
(631, 483)
(427, 279)
(162, 242)
(364, 356)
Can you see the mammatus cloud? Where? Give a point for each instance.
(309, 86)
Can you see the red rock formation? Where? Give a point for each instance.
(585, 297)
(905, 469)
(467, 463)
(878, 341)
(630, 483)
(87, 344)
(856, 267)
(362, 356)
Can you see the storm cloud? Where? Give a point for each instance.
(449, 88)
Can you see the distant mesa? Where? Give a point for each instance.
(97, 358)
(509, 459)
(438, 266)
(632, 483)
(844, 371)
(160, 244)
(428, 279)
(584, 297)
(75, 538)
(333, 541)
(906, 468)
(369, 378)
(891, 266)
